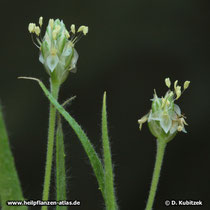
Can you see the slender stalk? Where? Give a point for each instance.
(50, 145)
(161, 145)
(60, 166)
(108, 178)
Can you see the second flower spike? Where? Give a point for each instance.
(57, 47)
(165, 118)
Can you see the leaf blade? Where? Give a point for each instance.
(91, 153)
(10, 188)
(108, 178)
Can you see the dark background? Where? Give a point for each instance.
(129, 50)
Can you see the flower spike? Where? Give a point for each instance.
(57, 51)
(165, 118)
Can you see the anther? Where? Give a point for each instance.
(40, 21)
(168, 82)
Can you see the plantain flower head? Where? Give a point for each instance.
(165, 118)
(57, 47)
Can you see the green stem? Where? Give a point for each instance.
(108, 178)
(161, 145)
(60, 166)
(50, 146)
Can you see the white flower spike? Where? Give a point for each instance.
(165, 118)
(57, 51)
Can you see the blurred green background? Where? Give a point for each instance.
(129, 50)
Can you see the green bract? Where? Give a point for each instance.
(57, 51)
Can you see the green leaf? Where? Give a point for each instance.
(60, 166)
(110, 200)
(10, 188)
(90, 151)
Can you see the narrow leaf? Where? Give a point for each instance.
(10, 188)
(91, 153)
(108, 178)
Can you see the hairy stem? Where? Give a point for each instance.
(50, 145)
(60, 166)
(161, 145)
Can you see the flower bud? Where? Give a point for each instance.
(57, 51)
